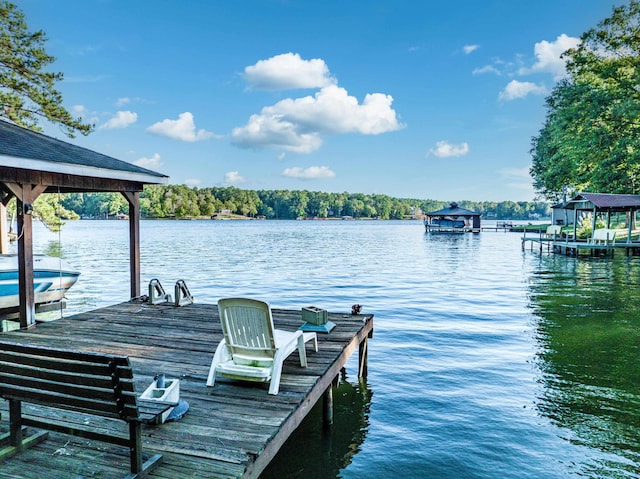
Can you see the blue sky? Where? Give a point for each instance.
(413, 99)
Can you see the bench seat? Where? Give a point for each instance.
(90, 383)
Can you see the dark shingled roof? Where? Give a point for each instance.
(20, 142)
(609, 201)
(453, 210)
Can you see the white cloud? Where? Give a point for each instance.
(149, 163)
(233, 178)
(298, 124)
(123, 101)
(183, 129)
(486, 69)
(470, 48)
(548, 56)
(311, 173)
(122, 120)
(80, 111)
(192, 182)
(444, 149)
(516, 89)
(288, 71)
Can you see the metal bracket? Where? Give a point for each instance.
(157, 294)
(182, 294)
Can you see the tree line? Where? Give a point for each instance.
(180, 201)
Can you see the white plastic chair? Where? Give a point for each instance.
(252, 349)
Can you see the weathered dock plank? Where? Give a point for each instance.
(232, 430)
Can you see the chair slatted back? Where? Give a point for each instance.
(248, 329)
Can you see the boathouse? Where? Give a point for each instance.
(31, 164)
(618, 213)
(604, 206)
(453, 219)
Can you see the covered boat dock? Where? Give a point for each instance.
(618, 213)
(31, 164)
(453, 219)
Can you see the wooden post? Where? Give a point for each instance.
(363, 354)
(327, 407)
(15, 423)
(134, 241)
(135, 446)
(327, 403)
(25, 268)
(25, 196)
(4, 233)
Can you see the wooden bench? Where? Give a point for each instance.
(603, 236)
(91, 383)
(553, 231)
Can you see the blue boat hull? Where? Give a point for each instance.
(52, 277)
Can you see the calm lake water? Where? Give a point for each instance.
(486, 361)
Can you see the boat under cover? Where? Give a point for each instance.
(52, 277)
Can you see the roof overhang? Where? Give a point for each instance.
(82, 170)
(604, 202)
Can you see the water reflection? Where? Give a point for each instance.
(315, 452)
(589, 334)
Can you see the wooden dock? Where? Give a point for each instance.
(232, 430)
(577, 248)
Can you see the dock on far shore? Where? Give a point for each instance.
(233, 430)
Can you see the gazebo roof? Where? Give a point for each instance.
(29, 150)
(604, 201)
(453, 210)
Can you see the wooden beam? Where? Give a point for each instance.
(134, 241)
(25, 195)
(58, 182)
(4, 233)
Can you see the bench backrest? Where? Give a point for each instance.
(553, 230)
(604, 234)
(99, 384)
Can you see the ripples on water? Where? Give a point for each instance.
(486, 361)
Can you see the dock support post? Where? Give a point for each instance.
(363, 354)
(327, 407)
(327, 404)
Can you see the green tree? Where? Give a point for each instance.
(27, 89)
(590, 139)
